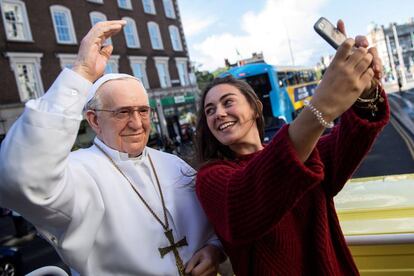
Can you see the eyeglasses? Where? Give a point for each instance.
(124, 113)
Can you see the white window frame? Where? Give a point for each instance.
(27, 33)
(66, 60)
(113, 63)
(142, 62)
(184, 78)
(152, 6)
(128, 5)
(176, 42)
(163, 61)
(96, 1)
(101, 17)
(131, 21)
(26, 58)
(60, 8)
(96, 14)
(169, 9)
(157, 39)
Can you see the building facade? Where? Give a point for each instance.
(40, 38)
(395, 45)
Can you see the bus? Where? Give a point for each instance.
(281, 89)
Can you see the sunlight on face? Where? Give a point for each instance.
(230, 117)
(128, 135)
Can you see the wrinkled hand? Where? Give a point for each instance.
(93, 54)
(347, 77)
(204, 262)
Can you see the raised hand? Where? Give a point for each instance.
(93, 54)
(348, 75)
(362, 41)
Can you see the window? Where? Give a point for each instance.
(138, 66)
(125, 4)
(182, 71)
(66, 60)
(149, 6)
(112, 65)
(131, 34)
(16, 22)
(169, 8)
(26, 68)
(96, 1)
(98, 17)
(63, 24)
(175, 38)
(155, 36)
(161, 63)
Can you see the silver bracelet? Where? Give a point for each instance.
(318, 115)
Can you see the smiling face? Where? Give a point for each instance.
(128, 135)
(232, 119)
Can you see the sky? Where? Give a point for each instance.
(234, 29)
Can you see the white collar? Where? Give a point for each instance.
(118, 156)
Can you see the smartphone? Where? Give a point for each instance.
(329, 32)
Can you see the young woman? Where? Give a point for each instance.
(272, 205)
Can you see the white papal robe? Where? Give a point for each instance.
(82, 205)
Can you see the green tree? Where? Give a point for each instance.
(203, 79)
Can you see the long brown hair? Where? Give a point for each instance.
(207, 146)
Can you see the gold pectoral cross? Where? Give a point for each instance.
(173, 247)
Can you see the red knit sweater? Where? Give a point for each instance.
(276, 215)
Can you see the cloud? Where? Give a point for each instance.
(194, 26)
(267, 31)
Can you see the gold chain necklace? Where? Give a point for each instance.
(168, 232)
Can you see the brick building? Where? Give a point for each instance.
(39, 38)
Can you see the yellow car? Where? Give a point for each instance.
(377, 218)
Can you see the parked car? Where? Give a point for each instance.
(10, 262)
(20, 255)
(377, 218)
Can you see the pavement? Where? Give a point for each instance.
(395, 143)
(392, 87)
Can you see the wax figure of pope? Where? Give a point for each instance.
(118, 207)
